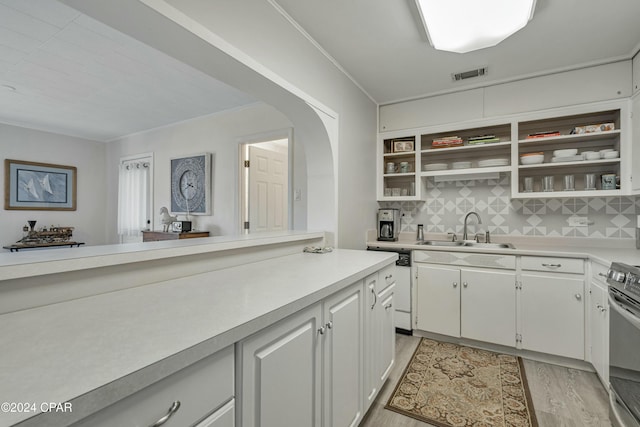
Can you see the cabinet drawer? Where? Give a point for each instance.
(599, 272)
(386, 277)
(558, 265)
(223, 417)
(201, 388)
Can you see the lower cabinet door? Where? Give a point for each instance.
(386, 329)
(553, 314)
(438, 299)
(488, 306)
(281, 373)
(223, 417)
(343, 358)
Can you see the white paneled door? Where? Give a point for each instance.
(268, 189)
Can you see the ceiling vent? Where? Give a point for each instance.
(469, 74)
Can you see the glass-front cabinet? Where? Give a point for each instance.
(578, 151)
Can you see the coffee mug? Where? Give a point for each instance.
(608, 181)
(404, 167)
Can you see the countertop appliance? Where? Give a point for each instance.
(388, 224)
(402, 297)
(624, 344)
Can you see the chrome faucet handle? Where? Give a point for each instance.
(477, 238)
(453, 236)
(487, 237)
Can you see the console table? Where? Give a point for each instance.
(154, 236)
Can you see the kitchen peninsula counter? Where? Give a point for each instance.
(95, 350)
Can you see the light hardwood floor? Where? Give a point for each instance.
(562, 397)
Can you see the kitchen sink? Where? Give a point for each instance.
(467, 244)
(440, 243)
(488, 245)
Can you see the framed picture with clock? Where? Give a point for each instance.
(191, 185)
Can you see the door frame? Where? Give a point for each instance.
(242, 193)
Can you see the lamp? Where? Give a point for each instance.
(465, 25)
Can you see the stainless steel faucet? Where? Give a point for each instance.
(464, 233)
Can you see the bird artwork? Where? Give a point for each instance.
(166, 219)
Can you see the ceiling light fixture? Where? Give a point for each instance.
(465, 25)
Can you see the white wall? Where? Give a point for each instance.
(219, 134)
(86, 155)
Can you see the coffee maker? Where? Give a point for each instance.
(388, 224)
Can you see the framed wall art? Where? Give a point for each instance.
(39, 186)
(191, 185)
(401, 146)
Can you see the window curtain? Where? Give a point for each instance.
(133, 197)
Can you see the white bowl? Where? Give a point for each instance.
(532, 160)
(606, 150)
(461, 165)
(611, 154)
(568, 152)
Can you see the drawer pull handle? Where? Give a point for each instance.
(375, 298)
(552, 265)
(388, 306)
(172, 410)
(388, 277)
(602, 274)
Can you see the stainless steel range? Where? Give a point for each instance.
(624, 344)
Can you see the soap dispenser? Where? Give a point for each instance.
(420, 235)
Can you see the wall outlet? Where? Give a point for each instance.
(578, 221)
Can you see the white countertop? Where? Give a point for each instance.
(602, 251)
(39, 262)
(93, 350)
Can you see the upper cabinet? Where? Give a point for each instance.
(636, 73)
(579, 151)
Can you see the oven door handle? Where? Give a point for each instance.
(615, 305)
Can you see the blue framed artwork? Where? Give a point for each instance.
(39, 186)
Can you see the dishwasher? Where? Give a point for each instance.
(402, 297)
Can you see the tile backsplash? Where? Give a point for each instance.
(445, 204)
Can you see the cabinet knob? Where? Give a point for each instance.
(601, 308)
(465, 284)
(578, 297)
(455, 284)
(172, 410)
(321, 330)
(329, 325)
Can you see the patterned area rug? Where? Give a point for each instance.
(450, 385)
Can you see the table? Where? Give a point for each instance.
(153, 236)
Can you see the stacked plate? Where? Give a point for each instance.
(566, 155)
(460, 165)
(435, 167)
(493, 162)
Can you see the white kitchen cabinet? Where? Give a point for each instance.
(552, 313)
(438, 299)
(599, 323)
(307, 368)
(635, 135)
(200, 389)
(466, 302)
(488, 305)
(343, 340)
(380, 346)
(280, 373)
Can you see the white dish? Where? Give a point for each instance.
(435, 167)
(606, 150)
(460, 165)
(576, 158)
(611, 154)
(590, 155)
(568, 152)
(492, 162)
(532, 160)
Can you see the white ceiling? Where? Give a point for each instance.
(76, 76)
(382, 46)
